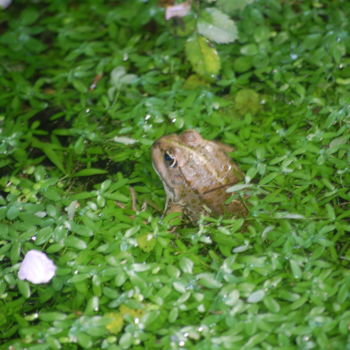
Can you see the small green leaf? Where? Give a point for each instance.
(90, 171)
(173, 315)
(56, 157)
(268, 178)
(186, 265)
(339, 141)
(79, 146)
(78, 278)
(80, 86)
(179, 287)
(204, 59)
(242, 64)
(232, 6)
(256, 296)
(120, 278)
(92, 306)
(84, 340)
(343, 293)
(29, 16)
(52, 193)
(15, 251)
(249, 50)
(75, 242)
(43, 235)
(81, 230)
(12, 212)
(231, 298)
(52, 316)
(272, 304)
(295, 268)
(237, 188)
(208, 280)
(105, 185)
(24, 288)
(255, 339)
(119, 77)
(298, 303)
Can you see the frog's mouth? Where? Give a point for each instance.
(219, 188)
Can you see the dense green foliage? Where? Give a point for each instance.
(86, 87)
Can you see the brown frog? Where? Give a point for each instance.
(196, 173)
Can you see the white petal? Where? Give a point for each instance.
(36, 268)
(5, 3)
(179, 10)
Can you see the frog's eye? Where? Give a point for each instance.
(170, 160)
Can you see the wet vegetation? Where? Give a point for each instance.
(86, 88)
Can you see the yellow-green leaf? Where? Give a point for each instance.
(115, 322)
(146, 242)
(204, 59)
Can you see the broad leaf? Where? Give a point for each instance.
(217, 26)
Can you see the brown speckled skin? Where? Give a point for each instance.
(197, 178)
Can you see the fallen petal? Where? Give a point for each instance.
(179, 10)
(36, 267)
(5, 3)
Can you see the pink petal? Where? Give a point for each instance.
(179, 10)
(5, 3)
(36, 267)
